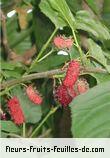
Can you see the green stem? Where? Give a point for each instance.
(70, 56)
(58, 76)
(52, 111)
(49, 53)
(78, 46)
(24, 130)
(44, 48)
(6, 91)
(74, 35)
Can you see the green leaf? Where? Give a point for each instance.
(41, 26)
(85, 22)
(32, 112)
(74, 5)
(9, 126)
(9, 65)
(74, 52)
(46, 8)
(58, 12)
(91, 113)
(52, 62)
(10, 69)
(19, 41)
(107, 54)
(96, 52)
(3, 135)
(13, 74)
(93, 5)
(102, 77)
(106, 12)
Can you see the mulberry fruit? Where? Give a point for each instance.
(82, 86)
(16, 111)
(62, 95)
(72, 74)
(33, 95)
(71, 92)
(61, 42)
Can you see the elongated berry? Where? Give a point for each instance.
(33, 95)
(62, 95)
(72, 74)
(16, 111)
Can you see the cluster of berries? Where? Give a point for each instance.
(15, 107)
(71, 86)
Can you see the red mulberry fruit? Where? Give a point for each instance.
(33, 95)
(82, 86)
(61, 42)
(72, 74)
(71, 92)
(62, 95)
(68, 43)
(16, 111)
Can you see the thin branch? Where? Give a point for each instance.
(48, 74)
(4, 34)
(94, 70)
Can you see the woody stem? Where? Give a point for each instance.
(47, 74)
